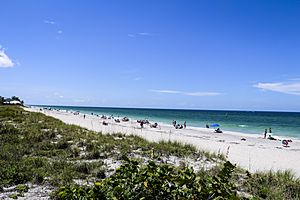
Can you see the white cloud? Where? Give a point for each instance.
(5, 61)
(167, 91)
(138, 78)
(145, 34)
(49, 22)
(202, 94)
(131, 35)
(56, 26)
(287, 88)
(196, 94)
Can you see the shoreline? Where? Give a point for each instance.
(253, 154)
(280, 130)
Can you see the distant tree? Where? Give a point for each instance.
(1, 100)
(14, 98)
(7, 99)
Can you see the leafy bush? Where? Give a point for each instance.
(154, 181)
(22, 188)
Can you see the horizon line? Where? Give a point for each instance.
(166, 108)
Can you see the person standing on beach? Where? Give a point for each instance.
(174, 123)
(270, 130)
(83, 116)
(265, 135)
(184, 124)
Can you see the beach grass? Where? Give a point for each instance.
(43, 150)
(273, 185)
(35, 147)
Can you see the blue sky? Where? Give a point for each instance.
(201, 54)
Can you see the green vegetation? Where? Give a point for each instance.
(270, 185)
(13, 98)
(43, 150)
(35, 147)
(132, 181)
(2, 99)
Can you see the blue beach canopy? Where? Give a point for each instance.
(215, 125)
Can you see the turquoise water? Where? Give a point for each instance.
(282, 123)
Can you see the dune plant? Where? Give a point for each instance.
(153, 181)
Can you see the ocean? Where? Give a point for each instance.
(250, 122)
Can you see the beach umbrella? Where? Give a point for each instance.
(214, 125)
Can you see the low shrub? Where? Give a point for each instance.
(153, 181)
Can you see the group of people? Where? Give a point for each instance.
(285, 142)
(145, 121)
(178, 126)
(142, 122)
(104, 117)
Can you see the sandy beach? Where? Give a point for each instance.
(252, 153)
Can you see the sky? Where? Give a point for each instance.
(202, 54)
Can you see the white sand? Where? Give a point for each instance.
(254, 154)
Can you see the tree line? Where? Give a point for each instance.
(3, 100)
